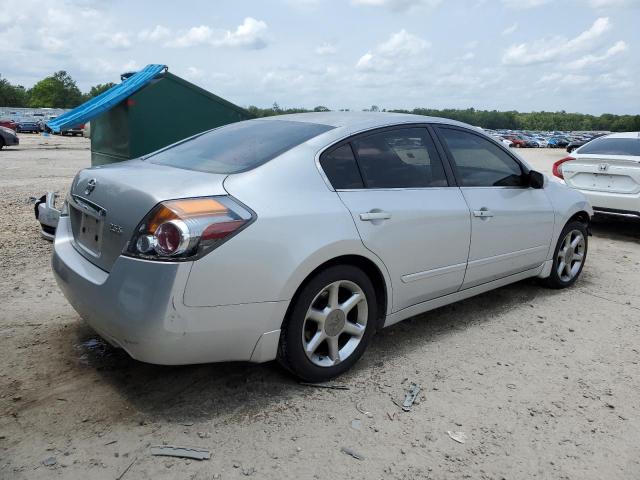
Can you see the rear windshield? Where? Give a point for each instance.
(612, 146)
(238, 147)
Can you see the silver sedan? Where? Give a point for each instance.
(298, 237)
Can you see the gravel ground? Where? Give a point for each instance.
(543, 384)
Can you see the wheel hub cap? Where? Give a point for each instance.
(334, 323)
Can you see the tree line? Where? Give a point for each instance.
(56, 91)
(493, 119)
(61, 91)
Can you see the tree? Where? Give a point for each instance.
(12, 95)
(56, 91)
(321, 108)
(97, 90)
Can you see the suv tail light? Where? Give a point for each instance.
(557, 166)
(187, 229)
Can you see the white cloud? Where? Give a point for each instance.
(509, 30)
(550, 49)
(604, 4)
(399, 45)
(525, 3)
(402, 44)
(116, 40)
(591, 59)
(326, 49)
(193, 73)
(565, 79)
(251, 34)
(156, 34)
(398, 5)
(195, 36)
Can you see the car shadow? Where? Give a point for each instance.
(615, 227)
(241, 390)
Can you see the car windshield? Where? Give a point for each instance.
(612, 146)
(238, 147)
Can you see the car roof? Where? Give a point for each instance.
(364, 119)
(624, 135)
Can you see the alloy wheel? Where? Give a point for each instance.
(571, 255)
(334, 323)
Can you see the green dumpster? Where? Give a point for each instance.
(164, 111)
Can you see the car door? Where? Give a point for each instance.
(395, 185)
(511, 223)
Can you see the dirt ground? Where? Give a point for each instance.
(544, 384)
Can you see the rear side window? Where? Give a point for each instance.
(612, 146)
(238, 147)
(481, 163)
(399, 158)
(341, 168)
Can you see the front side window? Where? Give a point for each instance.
(479, 162)
(399, 158)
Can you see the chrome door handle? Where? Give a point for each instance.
(483, 213)
(374, 215)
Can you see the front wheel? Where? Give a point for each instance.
(330, 324)
(569, 255)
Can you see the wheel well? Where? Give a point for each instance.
(367, 266)
(582, 217)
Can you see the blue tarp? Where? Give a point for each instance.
(106, 100)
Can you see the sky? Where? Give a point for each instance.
(526, 55)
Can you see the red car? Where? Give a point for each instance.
(515, 140)
(9, 124)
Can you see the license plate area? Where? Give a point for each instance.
(89, 234)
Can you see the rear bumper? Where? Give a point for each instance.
(139, 306)
(621, 203)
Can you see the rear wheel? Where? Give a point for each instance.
(1, 143)
(569, 256)
(330, 324)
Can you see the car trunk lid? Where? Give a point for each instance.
(603, 173)
(107, 203)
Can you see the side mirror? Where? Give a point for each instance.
(536, 179)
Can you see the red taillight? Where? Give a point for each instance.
(187, 229)
(557, 166)
(172, 237)
(217, 231)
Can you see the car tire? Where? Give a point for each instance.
(318, 341)
(1, 143)
(569, 256)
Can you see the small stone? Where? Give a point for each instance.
(49, 462)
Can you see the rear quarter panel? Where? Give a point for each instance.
(300, 225)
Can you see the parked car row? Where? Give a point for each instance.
(556, 139)
(37, 125)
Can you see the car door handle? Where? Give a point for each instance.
(483, 213)
(374, 215)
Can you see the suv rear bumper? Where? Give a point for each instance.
(138, 306)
